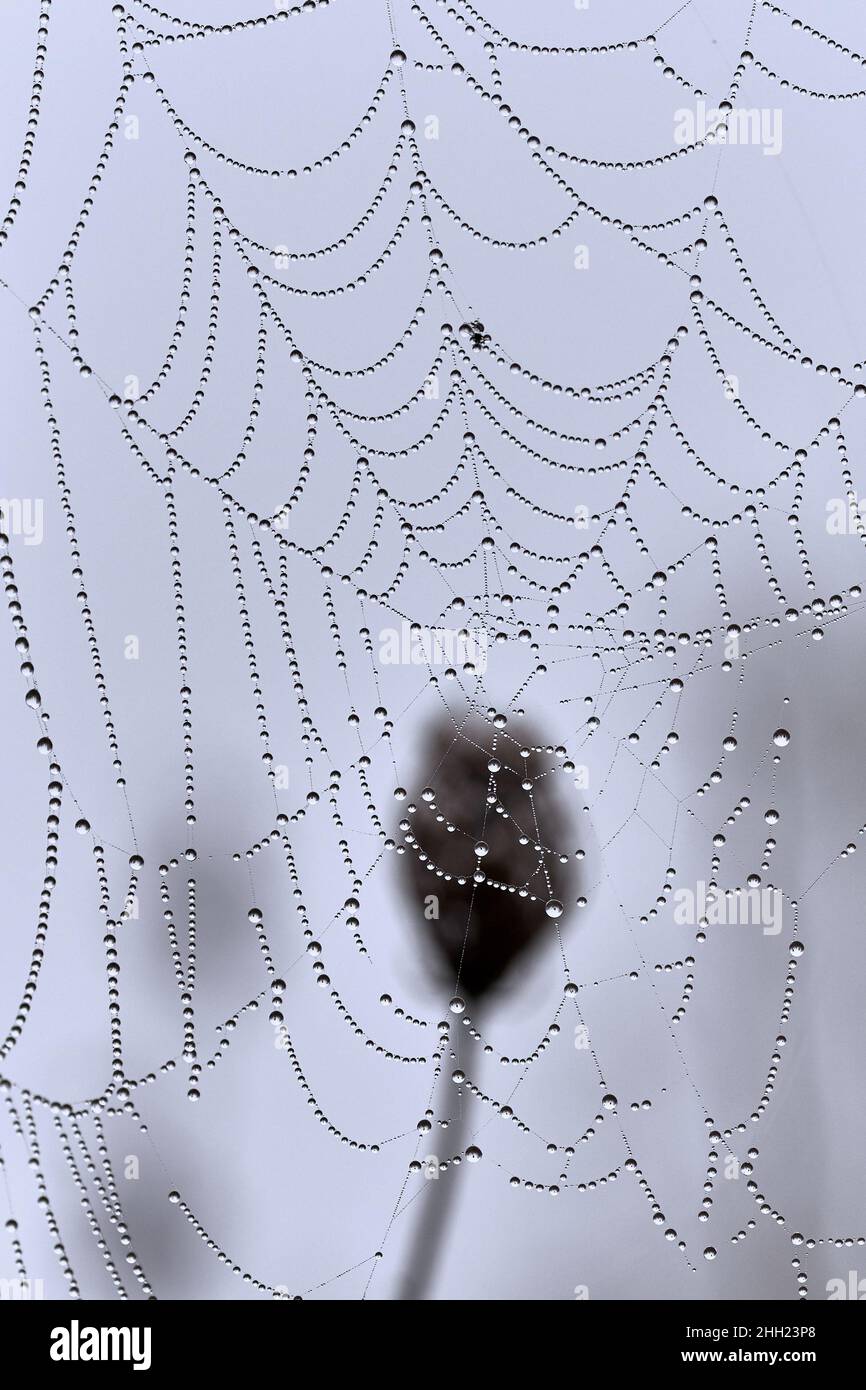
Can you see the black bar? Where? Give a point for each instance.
(220, 1338)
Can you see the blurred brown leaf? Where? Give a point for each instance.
(481, 946)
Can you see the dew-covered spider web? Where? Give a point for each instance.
(433, 561)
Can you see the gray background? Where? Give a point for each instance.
(285, 1199)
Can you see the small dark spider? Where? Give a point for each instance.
(478, 336)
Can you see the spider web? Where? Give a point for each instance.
(407, 463)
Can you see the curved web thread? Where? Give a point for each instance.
(454, 579)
